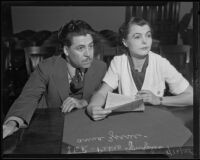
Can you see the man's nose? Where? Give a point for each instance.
(87, 53)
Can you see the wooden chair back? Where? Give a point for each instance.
(36, 54)
(175, 52)
(108, 53)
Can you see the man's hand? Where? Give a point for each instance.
(9, 128)
(71, 103)
(148, 97)
(97, 113)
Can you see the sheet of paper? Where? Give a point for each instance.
(120, 103)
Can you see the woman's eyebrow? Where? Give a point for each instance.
(91, 43)
(148, 32)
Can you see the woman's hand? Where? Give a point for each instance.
(148, 97)
(95, 108)
(71, 103)
(97, 113)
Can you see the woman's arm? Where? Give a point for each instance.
(183, 99)
(179, 87)
(97, 101)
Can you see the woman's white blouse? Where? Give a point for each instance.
(159, 71)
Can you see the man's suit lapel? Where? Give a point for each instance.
(60, 77)
(90, 74)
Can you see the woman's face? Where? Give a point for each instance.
(139, 40)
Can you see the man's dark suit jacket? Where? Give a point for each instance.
(51, 78)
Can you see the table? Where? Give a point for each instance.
(44, 135)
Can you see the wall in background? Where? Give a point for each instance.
(51, 18)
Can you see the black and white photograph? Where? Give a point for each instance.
(100, 79)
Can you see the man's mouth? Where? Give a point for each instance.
(86, 61)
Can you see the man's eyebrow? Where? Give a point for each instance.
(136, 33)
(80, 45)
(141, 33)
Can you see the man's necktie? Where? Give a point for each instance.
(77, 81)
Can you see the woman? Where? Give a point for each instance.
(140, 73)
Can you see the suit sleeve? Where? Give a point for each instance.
(25, 105)
(94, 81)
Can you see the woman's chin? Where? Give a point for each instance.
(140, 56)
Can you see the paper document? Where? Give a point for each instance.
(121, 103)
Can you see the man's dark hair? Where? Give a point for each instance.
(74, 28)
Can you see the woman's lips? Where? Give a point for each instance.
(145, 48)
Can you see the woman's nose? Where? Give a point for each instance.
(144, 40)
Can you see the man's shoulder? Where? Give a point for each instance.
(51, 61)
(98, 63)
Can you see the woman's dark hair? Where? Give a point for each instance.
(74, 28)
(124, 29)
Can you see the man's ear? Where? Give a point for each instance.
(65, 50)
(124, 42)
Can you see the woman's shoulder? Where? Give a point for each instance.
(119, 58)
(157, 57)
(159, 61)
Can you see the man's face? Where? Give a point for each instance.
(81, 52)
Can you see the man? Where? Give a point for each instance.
(66, 81)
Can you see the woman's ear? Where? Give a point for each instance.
(124, 42)
(65, 50)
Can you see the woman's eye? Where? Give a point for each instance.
(149, 35)
(91, 46)
(137, 37)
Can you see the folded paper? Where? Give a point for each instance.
(121, 103)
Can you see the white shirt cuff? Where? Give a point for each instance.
(19, 120)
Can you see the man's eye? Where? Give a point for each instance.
(80, 48)
(137, 37)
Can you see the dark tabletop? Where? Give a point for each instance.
(44, 134)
